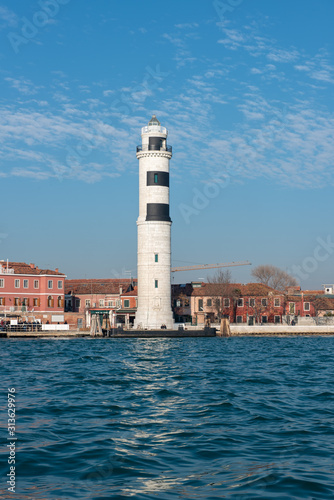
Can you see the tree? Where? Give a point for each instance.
(274, 277)
(224, 289)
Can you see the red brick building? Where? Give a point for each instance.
(251, 303)
(27, 290)
(97, 296)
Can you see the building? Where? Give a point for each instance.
(154, 229)
(103, 297)
(30, 292)
(251, 303)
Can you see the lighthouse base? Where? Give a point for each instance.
(146, 319)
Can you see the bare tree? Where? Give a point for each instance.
(274, 277)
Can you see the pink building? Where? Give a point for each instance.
(24, 288)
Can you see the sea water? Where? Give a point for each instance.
(202, 418)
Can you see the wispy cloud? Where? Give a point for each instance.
(23, 85)
(8, 19)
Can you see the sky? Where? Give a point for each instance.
(245, 89)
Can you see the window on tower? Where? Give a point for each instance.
(156, 283)
(155, 178)
(156, 258)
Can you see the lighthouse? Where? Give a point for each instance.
(154, 230)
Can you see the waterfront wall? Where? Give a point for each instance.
(281, 330)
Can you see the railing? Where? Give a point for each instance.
(4, 270)
(21, 327)
(140, 148)
(21, 308)
(154, 128)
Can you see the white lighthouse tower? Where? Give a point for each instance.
(154, 230)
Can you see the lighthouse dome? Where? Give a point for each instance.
(154, 121)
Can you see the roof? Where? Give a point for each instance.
(153, 121)
(249, 289)
(23, 268)
(97, 286)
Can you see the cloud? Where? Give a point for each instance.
(8, 19)
(24, 86)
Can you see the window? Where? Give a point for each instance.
(156, 283)
(2, 301)
(251, 302)
(156, 258)
(25, 283)
(155, 178)
(111, 303)
(17, 284)
(50, 284)
(77, 303)
(36, 302)
(101, 302)
(126, 303)
(200, 304)
(186, 302)
(239, 319)
(59, 302)
(87, 302)
(240, 303)
(50, 301)
(25, 302)
(277, 319)
(2, 283)
(36, 284)
(264, 302)
(292, 307)
(306, 306)
(264, 319)
(60, 285)
(209, 302)
(16, 301)
(178, 303)
(277, 302)
(226, 302)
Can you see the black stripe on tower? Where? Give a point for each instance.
(158, 212)
(157, 179)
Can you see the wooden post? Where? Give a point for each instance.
(224, 330)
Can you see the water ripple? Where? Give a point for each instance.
(203, 419)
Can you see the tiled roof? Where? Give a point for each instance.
(250, 289)
(97, 286)
(23, 268)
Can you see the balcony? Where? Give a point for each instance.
(154, 128)
(140, 148)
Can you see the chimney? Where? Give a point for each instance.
(32, 266)
(57, 270)
(120, 290)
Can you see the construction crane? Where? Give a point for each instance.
(211, 266)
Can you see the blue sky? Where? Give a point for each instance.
(245, 89)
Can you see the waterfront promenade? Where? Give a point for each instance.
(235, 331)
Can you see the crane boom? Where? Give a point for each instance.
(210, 266)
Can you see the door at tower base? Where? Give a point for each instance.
(154, 230)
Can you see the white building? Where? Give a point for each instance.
(154, 229)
